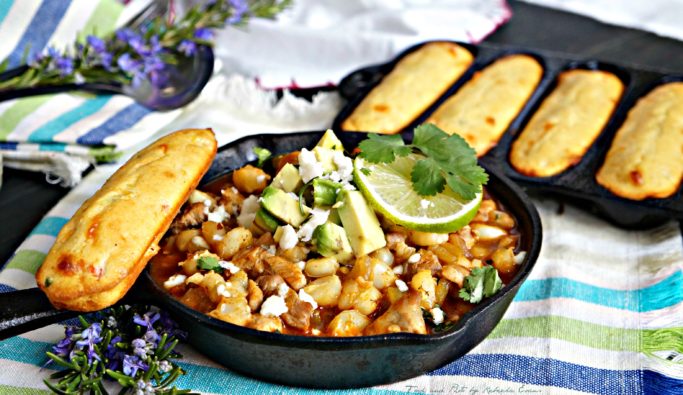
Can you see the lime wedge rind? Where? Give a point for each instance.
(388, 188)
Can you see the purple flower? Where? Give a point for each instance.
(151, 336)
(187, 47)
(53, 52)
(89, 338)
(128, 64)
(153, 63)
(125, 35)
(64, 65)
(97, 44)
(139, 347)
(147, 320)
(131, 364)
(239, 8)
(203, 34)
(63, 348)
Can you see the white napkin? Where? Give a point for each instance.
(662, 17)
(317, 42)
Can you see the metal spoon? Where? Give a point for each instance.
(186, 79)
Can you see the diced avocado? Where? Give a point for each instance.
(265, 221)
(325, 192)
(330, 140)
(287, 179)
(334, 217)
(331, 241)
(360, 223)
(283, 206)
(326, 158)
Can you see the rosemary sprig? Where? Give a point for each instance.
(133, 346)
(129, 56)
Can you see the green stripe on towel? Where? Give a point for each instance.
(102, 20)
(26, 260)
(18, 111)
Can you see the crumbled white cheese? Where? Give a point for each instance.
(274, 306)
(519, 257)
(415, 258)
(282, 289)
(344, 165)
(301, 265)
(207, 202)
(270, 248)
(401, 285)
(174, 280)
(250, 206)
(288, 238)
(221, 291)
(305, 297)
(398, 269)
(219, 215)
(309, 167)
(318, 217)
(199, 242)
(333, 176)
(217, 237)
(437, 315)
(229, 266)
(348, 187)
(293, 195)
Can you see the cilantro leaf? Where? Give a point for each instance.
(427, 178)
(209, 263)
(383, 148)
(481, 282)
(263, 155)
(454, 163)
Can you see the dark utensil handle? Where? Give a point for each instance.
(25, 310)
(9, 94)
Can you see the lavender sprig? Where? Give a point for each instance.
(129, 56)
(131, 345)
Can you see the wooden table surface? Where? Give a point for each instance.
(25, 197)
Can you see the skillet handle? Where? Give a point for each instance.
(26, 310)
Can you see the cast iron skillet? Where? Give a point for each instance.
(309, 361)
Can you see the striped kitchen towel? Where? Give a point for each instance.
(62, 134)
(602, 312)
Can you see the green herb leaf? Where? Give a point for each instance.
(480, 283)
(383, 148)
(262, 154)
(449, 160)
(209, 263)
(452, 162)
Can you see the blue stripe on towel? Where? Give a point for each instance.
(122, 120)
(543, 371)
(42, 26)
(655, 383)
(49, 226)
(657, 296)
(48, 131)
(5, 6)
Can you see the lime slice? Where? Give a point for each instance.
(389, 189)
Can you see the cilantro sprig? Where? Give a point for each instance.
(209, 263)
(480, 283)
(448, 160)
